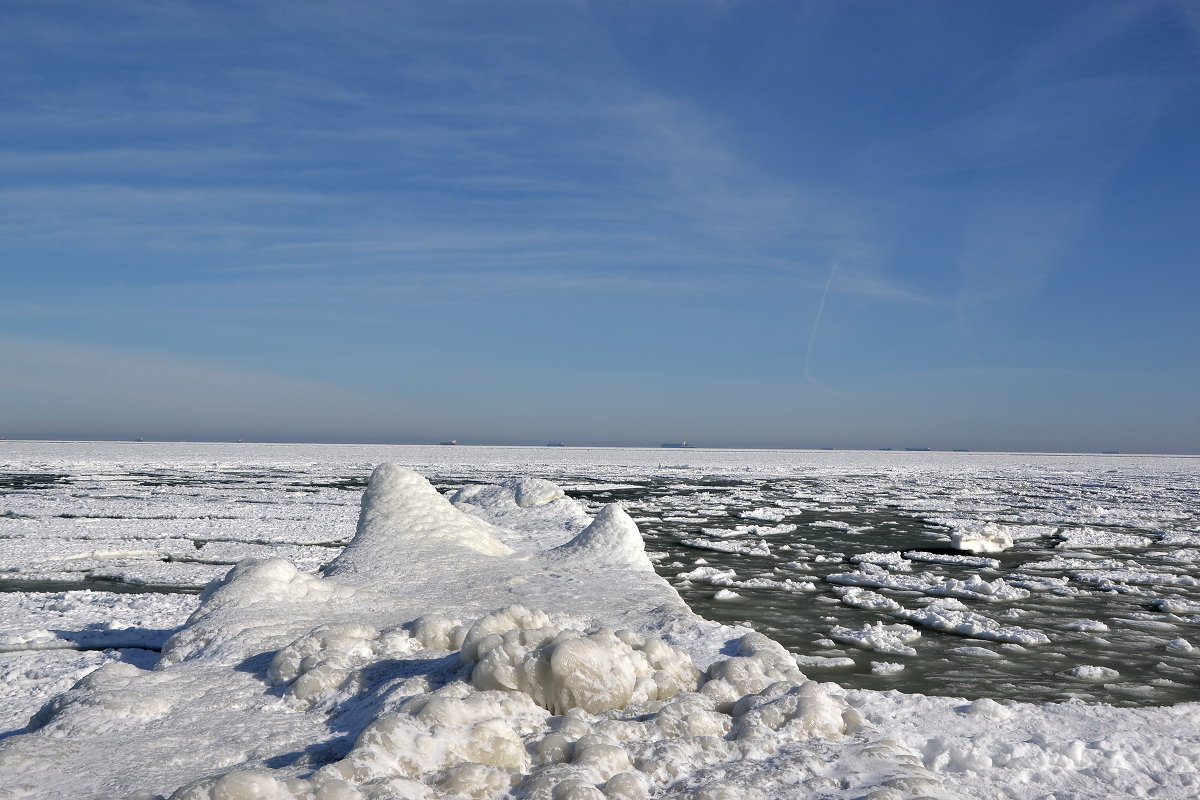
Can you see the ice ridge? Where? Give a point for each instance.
(401, 508)
(611, 536)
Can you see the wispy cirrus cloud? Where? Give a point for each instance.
(443, 125)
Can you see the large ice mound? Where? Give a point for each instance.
(442, 654)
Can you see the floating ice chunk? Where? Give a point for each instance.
(1185, 556)
(1059, 585)
(1179, 645)
(825, 662)
(1112, 578)
(766, 530)
(1095, 537)
(726, 533)
(991, 538)
(1190, 538)
(1059, 563)
(764, 514)
(110, 638)
(759, 548)
(946, 616)
(726, 594)
(892, 560)
(747, 530)
(944, 558)
(978, 652)
(99, 555)
(1087, 626)
(837, 524)
(863, 598)
(1176, 605)
(974, 588)
(713, 575)
(879, 637)
(1087, 672)
(886, 667)
(879, 578)
(787, 585)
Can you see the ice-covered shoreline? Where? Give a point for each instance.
(273, 698)
(561, 702)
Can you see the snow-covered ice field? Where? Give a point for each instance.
(519, 627)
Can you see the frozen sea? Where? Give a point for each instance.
(846, 558)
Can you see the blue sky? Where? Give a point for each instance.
(846, 224)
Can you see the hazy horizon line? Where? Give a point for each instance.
(582, 445)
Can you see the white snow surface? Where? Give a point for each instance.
(488, 648)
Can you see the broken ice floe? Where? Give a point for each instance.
(991, 538)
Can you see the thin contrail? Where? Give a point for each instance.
(812, 337)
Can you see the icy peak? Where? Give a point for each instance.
(401, 508)
(612, 536)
